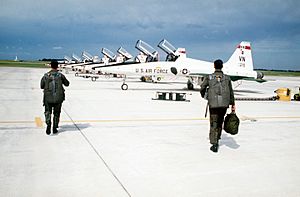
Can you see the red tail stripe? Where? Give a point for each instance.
(244, 47)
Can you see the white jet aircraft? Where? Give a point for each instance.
(74, 63)
(238, 67)
(80, 65)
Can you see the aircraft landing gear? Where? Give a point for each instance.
(124, 86)
(190, 86)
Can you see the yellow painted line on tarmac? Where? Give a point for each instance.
(276, 117)
(16, 122)
(38, 121)
(268, 117)
(177, 119)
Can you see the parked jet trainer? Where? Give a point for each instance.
(238, 67)
(86, 65)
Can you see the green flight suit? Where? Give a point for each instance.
(54, 95)
(220, 95)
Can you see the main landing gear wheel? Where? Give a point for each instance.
(143, 79)
(190, 86)
(124, 86)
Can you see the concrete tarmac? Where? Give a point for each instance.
(122, 143)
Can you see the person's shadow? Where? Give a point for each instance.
(72, 127)
(228, 141)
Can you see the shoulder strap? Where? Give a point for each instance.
(57, 74)
(214, 76)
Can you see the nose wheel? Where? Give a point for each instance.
(124, 86)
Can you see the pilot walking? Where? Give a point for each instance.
(220, 95)
(54, 95)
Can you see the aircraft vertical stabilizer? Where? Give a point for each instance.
(241, 58)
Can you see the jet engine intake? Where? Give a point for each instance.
(260, 75)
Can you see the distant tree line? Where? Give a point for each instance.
(275, 70)
(50, 59)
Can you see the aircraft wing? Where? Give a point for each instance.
(250, 79)
(232, 77)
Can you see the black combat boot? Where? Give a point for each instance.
(55, 130)
(48, 130)
(214, 148)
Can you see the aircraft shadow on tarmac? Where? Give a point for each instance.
(242, 92)
(228, 141)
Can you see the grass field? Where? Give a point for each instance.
(281, 73)
(28, 64)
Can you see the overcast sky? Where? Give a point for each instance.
(208, 29)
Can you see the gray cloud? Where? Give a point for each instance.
(200, 26)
